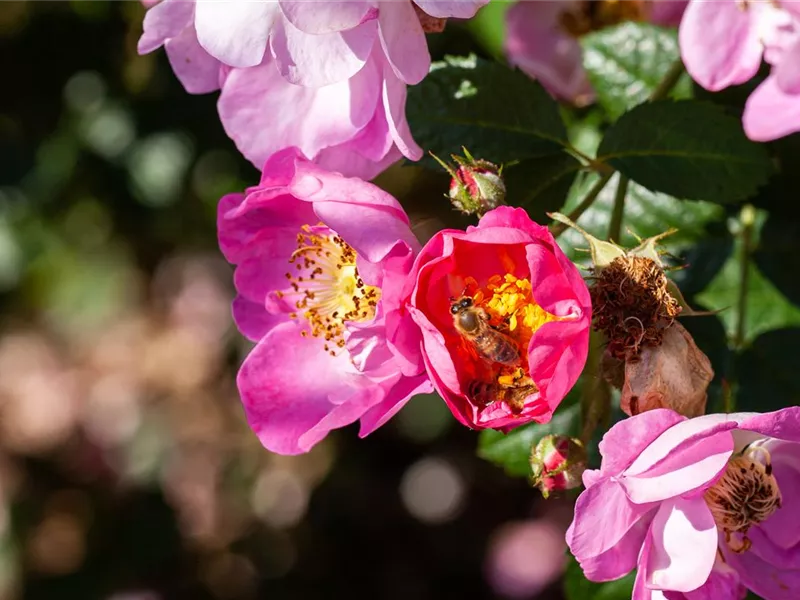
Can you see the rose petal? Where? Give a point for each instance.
(761, 577)
(684, 546)
(165, 20)
(629, 437)
(719, 44)
(460, 9)
(685, 457)
(253, 320)
(394, 103)
(236, 31)
(289, 411)
(396, 398)
(196, 69)
(318, 17)
(605, 533)
(403, 41)
(259, 111)
(787, 72)
(320, 60)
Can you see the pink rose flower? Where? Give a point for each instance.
(316, 256)
(524, 315)
(723, 43)
(543, 37)
(327, 77)
(698, 505)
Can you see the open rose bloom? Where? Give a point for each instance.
(701, 506)
(313, 251)
(523, 287)
(723, 43)
(324, 76)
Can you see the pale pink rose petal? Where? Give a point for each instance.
(719, 43)
(163, 21)
(459, 9)
(606, 534)
(196, 69)
(627, 439)
(394, 103)
(770, 113)
(324, 59)
(787, 72)
(319, 16)
(689, 466)
(684, 545)
(403, 41)
(259, 100)
(764, 579)
(536, 43)
(235, 32)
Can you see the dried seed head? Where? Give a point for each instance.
(632, 305)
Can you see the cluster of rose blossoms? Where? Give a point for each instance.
(351, 317)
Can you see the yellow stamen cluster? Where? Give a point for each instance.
(512, 310)
(593, 15)
(327, 285)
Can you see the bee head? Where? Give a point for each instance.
(460, 304)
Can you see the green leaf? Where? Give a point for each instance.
(540, 185)
(766, 308)
(499, 114)
(626, 63)
(687, 149)
(767, 372)
(647, 214)
(577, 587)
(512, 450)
(778, 255)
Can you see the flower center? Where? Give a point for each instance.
(513, 314)
(326, 287)
(593, 15)
(745, 495)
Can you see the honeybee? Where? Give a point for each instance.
(472, 323)
(484, 393)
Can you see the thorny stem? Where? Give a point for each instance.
(662, 90)
(615, 227)
(747, 220)
(558, 228)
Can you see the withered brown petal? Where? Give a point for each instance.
(673, 375)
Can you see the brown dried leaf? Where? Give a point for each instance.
(673, 375)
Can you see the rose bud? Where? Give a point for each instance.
(557, 463)
(649, 355)
(476, 186)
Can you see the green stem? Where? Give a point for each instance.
(558, 228)
(747, 220)
(615, 227)
(596, 393)
(663, 89)
(669, 81)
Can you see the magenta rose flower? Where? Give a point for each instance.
(701, 506)
(326, 77)
(314, 252)
(722, 44)
(502, 317)
(543, 37)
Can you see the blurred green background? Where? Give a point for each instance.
(127, 471)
